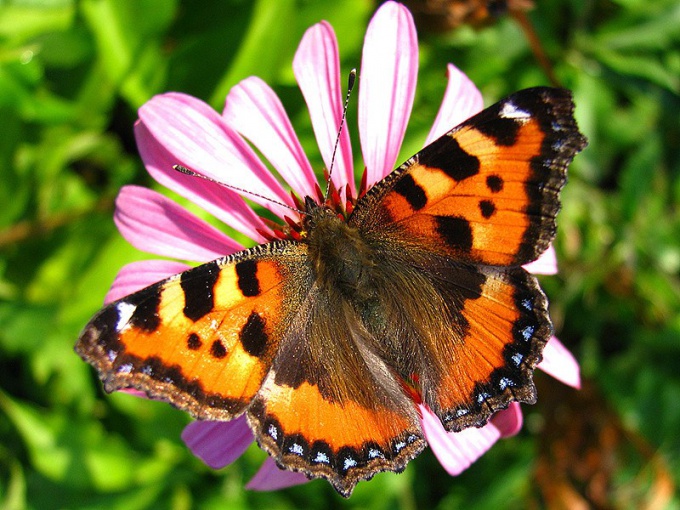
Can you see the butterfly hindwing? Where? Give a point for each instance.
(330, 407)
(465, 337)
(501, 329)
(486, 192)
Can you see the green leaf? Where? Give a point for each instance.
(640, 66)
(79, 453)
(122, 29)
(20, 23)
(257, 55)
(636, 177)
(14, 495)
(654, 33)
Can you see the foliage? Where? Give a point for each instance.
(72, 75)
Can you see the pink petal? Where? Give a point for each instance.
(456, 451)
(199, 138)
(255, 111)
(461, 101)
(545, 264)
(387, 83)
(218, 443)
(560, 363)
(270, 478)
(133, 392)
(223, 203)
(317, 70)
(508, 421)
(138, 275)
(153, 223)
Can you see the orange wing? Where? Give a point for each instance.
(486, 192)
(344, 440)
(500, 330)
(202, 340)
(330, 406)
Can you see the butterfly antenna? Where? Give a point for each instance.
(350, 85)
(184, 170)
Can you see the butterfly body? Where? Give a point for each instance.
(327, 341)
(341, 258)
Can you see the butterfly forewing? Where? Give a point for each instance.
(202, 340)
(487, 192)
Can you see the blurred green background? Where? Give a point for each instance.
(73, 73)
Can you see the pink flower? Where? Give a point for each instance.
(178, 129)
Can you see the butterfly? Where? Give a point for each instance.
(327, 339)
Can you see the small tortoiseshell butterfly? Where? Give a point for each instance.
(325, 339)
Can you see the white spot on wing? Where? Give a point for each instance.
(349, 463)
(482, 397)
(505, 382)
(296, 449)
(510, 111)
(125, 368)
(125, 311)
(321, 458)
(375, 454)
